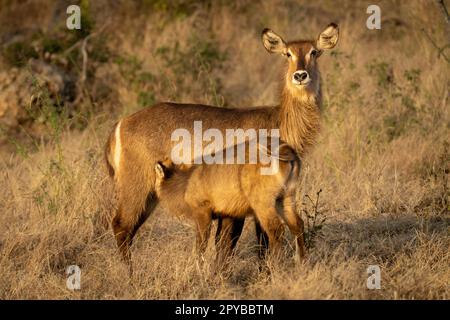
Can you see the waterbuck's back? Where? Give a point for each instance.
(150, 130)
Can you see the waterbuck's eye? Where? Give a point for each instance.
(313, 53)
(288, 55)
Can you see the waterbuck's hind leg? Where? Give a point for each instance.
(295, 224)
(136, 201)
(127, 222)
(150, 205)
(262, 240)
(122, 226)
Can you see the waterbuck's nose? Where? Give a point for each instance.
(300, 76)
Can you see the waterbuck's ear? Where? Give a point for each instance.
(286, 153)
(159, 170)
(328, 38)
(273, 42)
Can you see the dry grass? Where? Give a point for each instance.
(382, 161)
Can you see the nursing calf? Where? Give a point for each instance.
(205, 191)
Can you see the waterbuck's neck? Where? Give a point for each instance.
(299, 117)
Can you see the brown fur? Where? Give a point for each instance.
(146, 136)
(235, 191)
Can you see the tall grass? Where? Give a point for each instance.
(381, 161)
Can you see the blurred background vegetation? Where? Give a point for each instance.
(130, 54)
(381, 162)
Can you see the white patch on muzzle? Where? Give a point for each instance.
(304, 82)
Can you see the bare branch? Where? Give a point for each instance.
(444, 11)
(82, 92)
(85, 58)
(440, 50)
(80, 42)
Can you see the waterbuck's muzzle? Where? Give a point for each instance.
(301, 77)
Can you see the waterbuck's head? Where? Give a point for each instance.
(302, 71)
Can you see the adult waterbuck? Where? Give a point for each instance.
(140, 140)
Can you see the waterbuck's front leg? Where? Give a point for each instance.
(203, 219)
(227, 235)
(272, 226)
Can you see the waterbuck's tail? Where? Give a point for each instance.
(286, 153)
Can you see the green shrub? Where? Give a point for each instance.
(146, 99)
(51, 45)
(199, 54)
(382, 71)
(18, 53)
